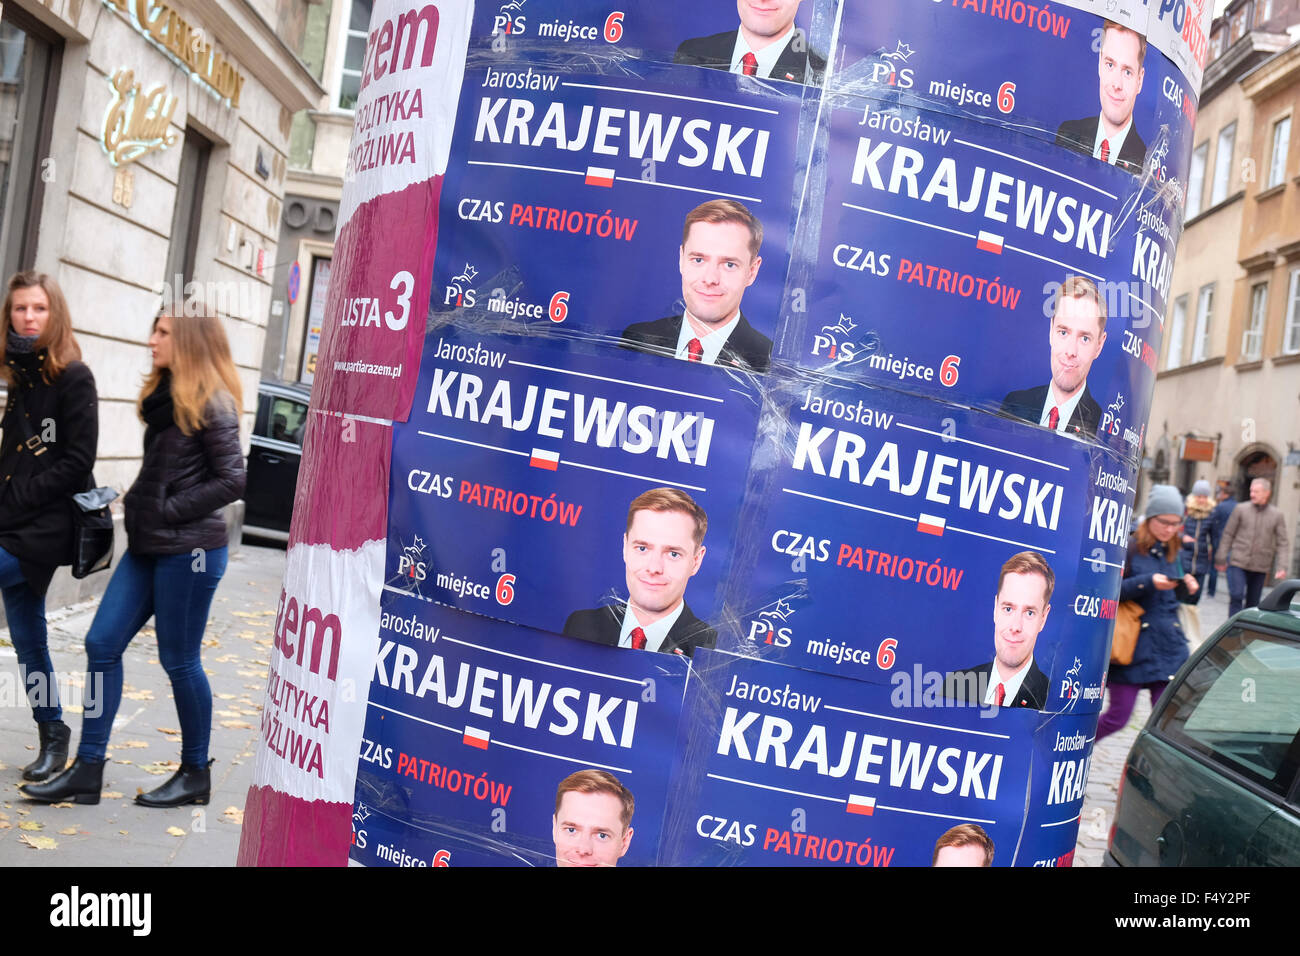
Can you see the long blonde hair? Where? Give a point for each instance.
(202, 370)
(57, 339)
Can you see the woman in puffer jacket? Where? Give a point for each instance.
(1198, 536)
(176, 552)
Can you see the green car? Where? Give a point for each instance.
(1214, 777)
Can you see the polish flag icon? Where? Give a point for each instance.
(599, 176)
(476, 738)
(863, 805)
(989, 242)
(931, 524)
(541, 458)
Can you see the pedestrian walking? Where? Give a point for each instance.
(176, 552)
(1219, 521)
(1152, 574)
(1254, 544)
(1197, 553)
(51, 428)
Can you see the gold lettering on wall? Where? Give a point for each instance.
(177, 36)
(137, 121)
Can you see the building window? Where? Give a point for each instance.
(1281, 140)
(1196, 180)
(1223, 164)
(354, 54)
(1263, 10)
(29, 64)
(1201, 337)
(1177, 329)
(1252, 339)
(182, 252)
(1238, 24)
(1291, 334)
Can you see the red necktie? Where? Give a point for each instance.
(1105, 151)
(1053, 418)
(999, 695)
(749, 64)
(638, 639)
(694, 350)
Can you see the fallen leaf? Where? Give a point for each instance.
(245, 613)
(73, 708)
(31, 825)
(235, 814)
(212, 642)
(144, 694)
(237, 724)
(63, 806)
(230, 713)
(40, 843)
(5, 825)
(176, 831)
(132, 744)
(265, 643)
(161, 767)
(122, 760)
(225, 696)
(68, 831)
(249, 673)
(148, 632)
(168, 730)
(23, 811)
(227, 658)
(111, 795)
(254, 686)
(123, 832)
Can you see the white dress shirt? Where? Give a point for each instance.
(1067, 410)
(766, 57)
(655, 634)
(712, 343)
(1116, 141)
(1012, 685)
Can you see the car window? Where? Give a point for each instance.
(287, 420)
(1240, 706)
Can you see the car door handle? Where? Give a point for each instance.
(272, 459)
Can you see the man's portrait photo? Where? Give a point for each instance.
(718, 260)
(1012, 679)
(663, 547)
(592, 825)
(766, 44)
(1110, 135)
(1077, 334)
(964, 845)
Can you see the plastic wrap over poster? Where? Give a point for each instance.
(490, 744)
(890, 532)
(513, 480)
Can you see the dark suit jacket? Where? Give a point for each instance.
(746, 346)
(1027, 406)
(1079, 136)
(797, 62)
(601, 625)
(1033, 689)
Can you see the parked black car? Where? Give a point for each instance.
(273, 456)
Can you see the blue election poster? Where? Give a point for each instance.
(889, 534)
(623, 206)
(965, 262)
(542, 483)
(786, 767)
(487, 744)
(788, 39)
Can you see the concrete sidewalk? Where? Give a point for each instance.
(1109, 756)
(145, 746)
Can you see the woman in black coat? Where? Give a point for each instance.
(51, 428)
(176, 552)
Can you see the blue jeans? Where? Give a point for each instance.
(176, 590)
(1244, 588)
(25, 614)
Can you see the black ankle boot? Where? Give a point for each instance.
(55, 735)
(190, 784)
(81, 783)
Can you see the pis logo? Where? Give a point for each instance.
(833, 343)
(509, 20)
(1110, 421)
(458, 291)
(766, 627)
(888, 69)
(1070, 684)
(410, 564)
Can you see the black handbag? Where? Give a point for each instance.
(92, 522)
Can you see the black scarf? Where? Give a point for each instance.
(158, 411)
